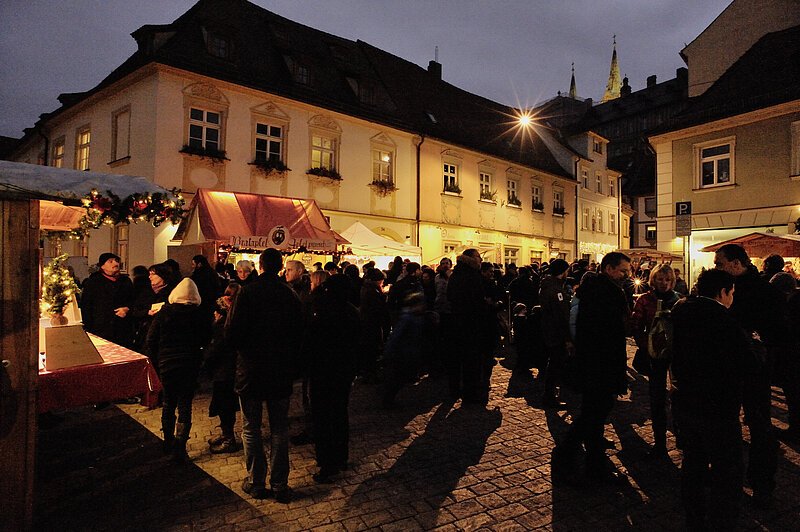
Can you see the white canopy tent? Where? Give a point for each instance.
(368, 245)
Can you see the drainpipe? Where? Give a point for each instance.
(417, 217)
(577, 206)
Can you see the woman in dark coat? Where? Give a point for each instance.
(220, 364)
(158, 288)
(374, 315)
(174, 343)
(332, 355)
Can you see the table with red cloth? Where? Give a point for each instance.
(123, 373)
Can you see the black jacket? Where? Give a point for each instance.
(555, 300)
(140, 312)
(759, 306)
(709, 350)
(331, 340)
(601, 329)
(176, 338)
(99, 298)
(465, 293)
(265, 327)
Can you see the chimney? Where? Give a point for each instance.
(588, 102)
(682, 73)
(625, 90)
(651, 81)
(435, 69)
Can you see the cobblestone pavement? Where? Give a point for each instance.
(429, 464)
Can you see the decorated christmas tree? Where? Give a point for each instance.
(58, 287)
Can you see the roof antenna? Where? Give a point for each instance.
(436, 54)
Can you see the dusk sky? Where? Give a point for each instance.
(516, 52)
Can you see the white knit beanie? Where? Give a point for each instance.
(185, 293)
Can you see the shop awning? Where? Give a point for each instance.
(257, 221)
(761, 244)
(650, 253)
(364, 241)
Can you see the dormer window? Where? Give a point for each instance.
(218, 44)
(301, 73)
(598, 146)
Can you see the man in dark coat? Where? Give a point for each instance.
(601, 363)
(265, 328)
(760, 309)
(525, 288)
(466, 296)
(555, 300)
(106, 301)
(709, 350)
(208, 283)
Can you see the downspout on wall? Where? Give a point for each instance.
(417, 213)
(577, 205)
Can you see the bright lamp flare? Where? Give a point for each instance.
(525, 119)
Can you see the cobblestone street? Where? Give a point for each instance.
(429, 464)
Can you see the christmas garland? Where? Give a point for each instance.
(155, 208)
(58, 286)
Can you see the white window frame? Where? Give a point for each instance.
(59, 149)
(121, 244)
(585, 219)
(121, 134)
(485, 180)
(206, 125)
(598, 177)
(450, 173)
(382, 164)
(654, 230)
(512, 187)
(324, 145)
(612, 223)
(612, 189)
(601, 221)
(699, 160)
(585, 177)
(536, 196)
(270, 138)
(449, 247)
(597, 146)
(536, 256)
(83, 147)
(510, 255)
(558, 199)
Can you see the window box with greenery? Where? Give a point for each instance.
(215, 155)
(382, 187)
(271, 166)
(514, 201)
(538, 206)
(489, 196)
(321, 171)
(452, 188)
(559, 211)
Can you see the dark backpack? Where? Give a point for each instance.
(661, 335)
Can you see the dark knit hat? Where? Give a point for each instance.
(557, 267)
(104, 257)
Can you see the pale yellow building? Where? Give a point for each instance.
(296, 112)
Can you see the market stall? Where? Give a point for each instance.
(228, 226)
(366, 245)
(762, 244)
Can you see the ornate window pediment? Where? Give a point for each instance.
(324, 122)
(207, 92)
(271, 110)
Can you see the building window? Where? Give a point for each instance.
(204, 129)
(450, 174)
(513, 198)
(121, 134)
(485, 180)
(625, 228)
(611, 188)
(269, 143)
(650, 207)
(121, 245)
(594, 220)
(536, 256)
(536, 194)
(599, 182)
(58, 153)
(510, 256)
(597, 146)
(449, 249)
(382, 162)
(650, 233)
(323, 152)
(558, 201)
(601, 215)
(585, 219)
(585, 177)
(715, 163)
(219, 45)
(612, 223)
(83, 141)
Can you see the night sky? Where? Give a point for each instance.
(517, 52)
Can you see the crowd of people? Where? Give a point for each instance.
(255, 330)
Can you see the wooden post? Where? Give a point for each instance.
(19, 351)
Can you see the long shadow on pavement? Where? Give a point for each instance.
(432, 465)
(104, 471)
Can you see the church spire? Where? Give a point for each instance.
(613, 86)
(573, 91)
